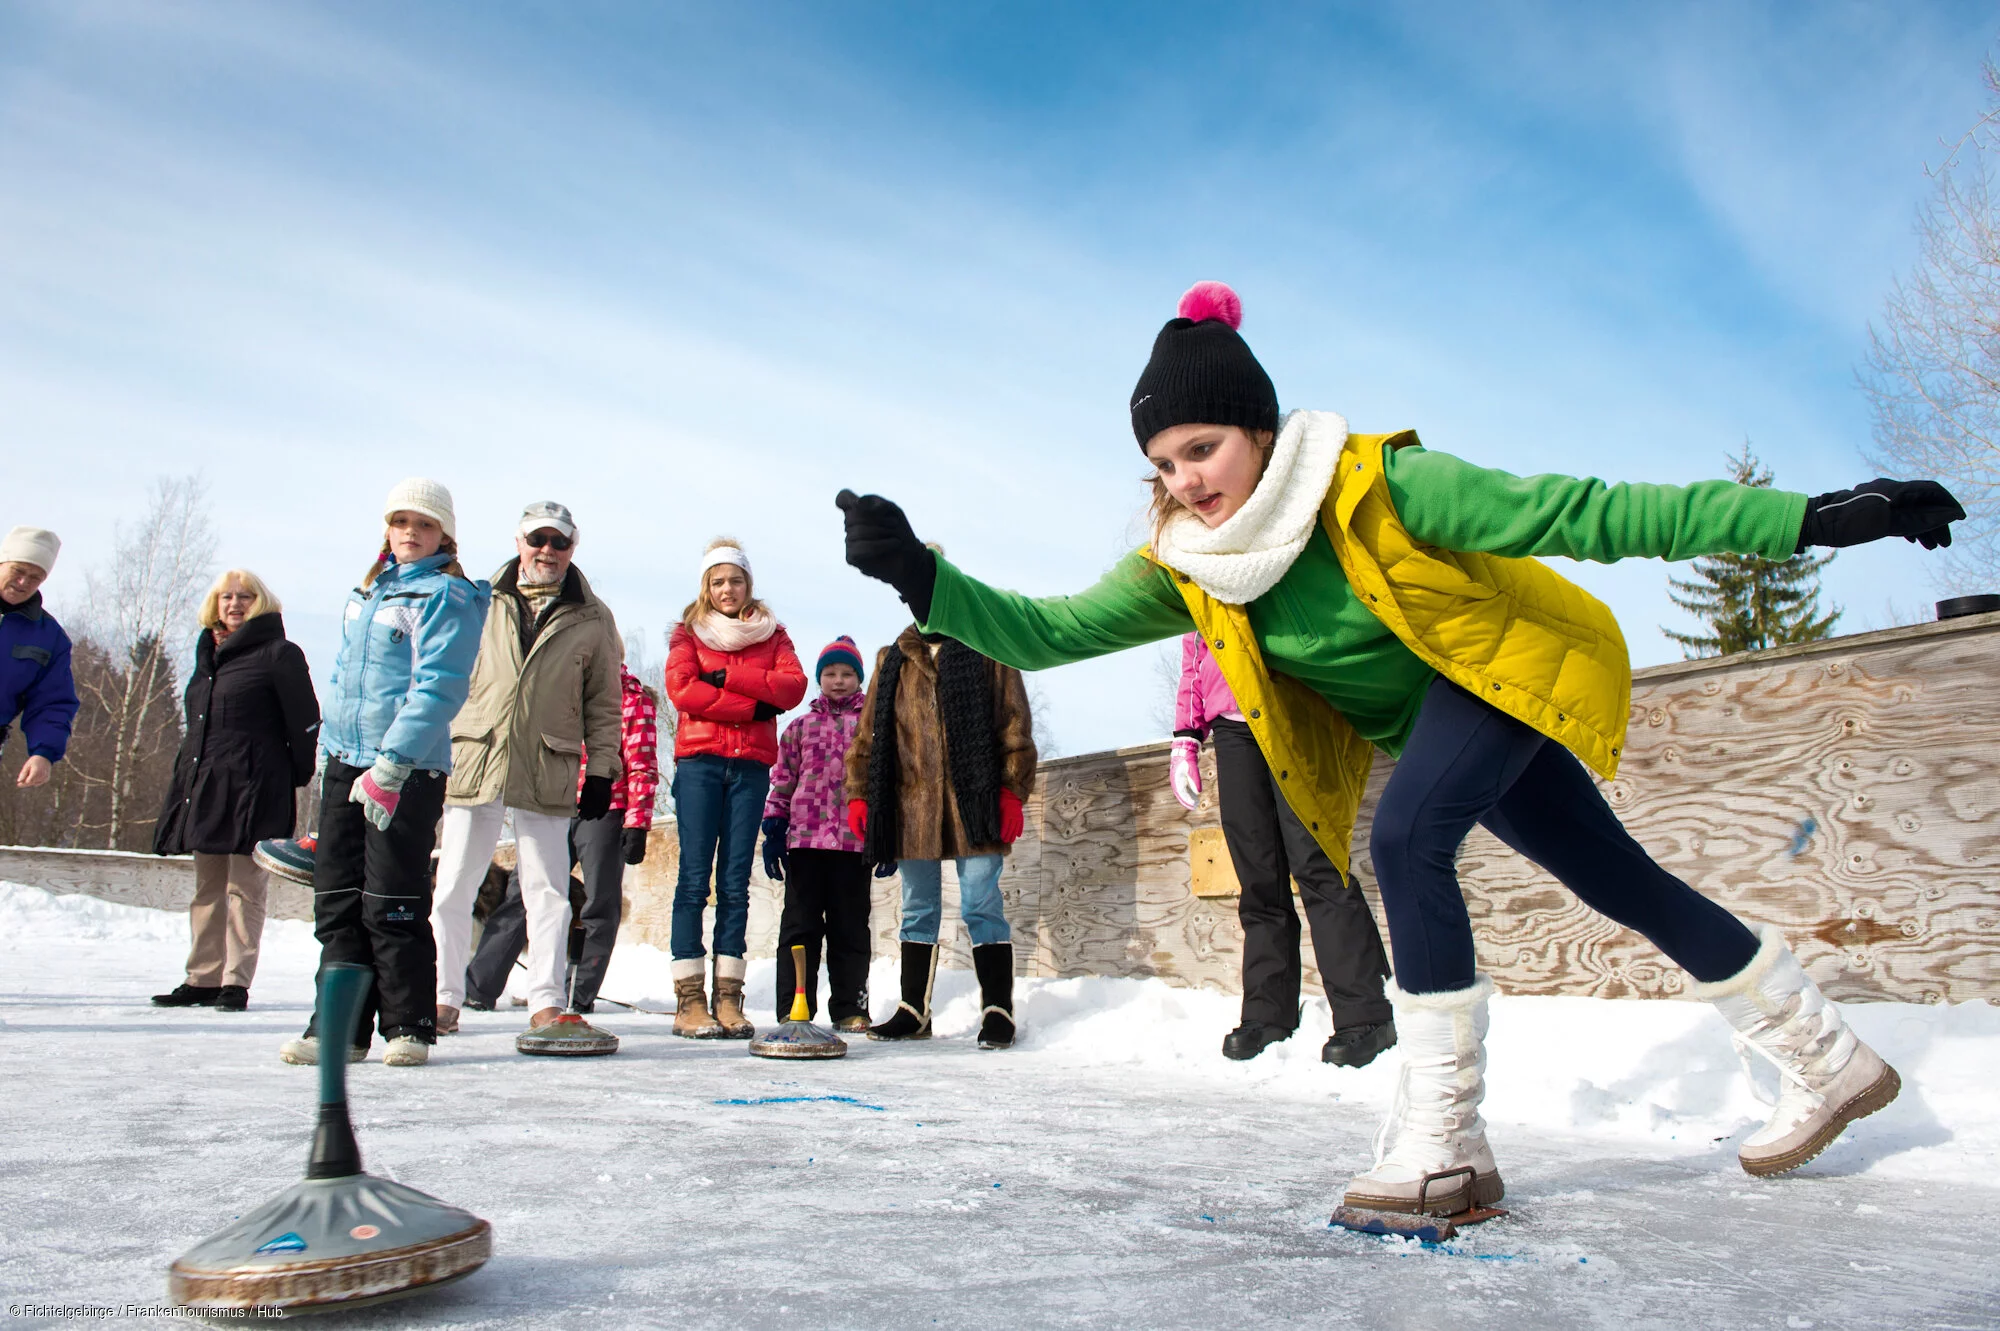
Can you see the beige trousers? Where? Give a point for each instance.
(227, 919)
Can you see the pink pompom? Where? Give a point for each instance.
(1212, 300)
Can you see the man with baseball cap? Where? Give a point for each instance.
(35, 683)
(546, 685)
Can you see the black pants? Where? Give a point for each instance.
(596, 845)
(1468, 763)
(826, 898)
(372, 899)
(1270, 847)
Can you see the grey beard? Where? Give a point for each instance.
(534, 577)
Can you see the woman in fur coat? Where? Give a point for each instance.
(939, 768)
(1361, 592)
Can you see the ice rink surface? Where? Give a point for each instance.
(1113, 1171)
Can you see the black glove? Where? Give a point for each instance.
(714, 677)
(632, 841)
(764, 711)
(595, 801)
(1914, 510)
(887, 870)
(774, 848)
(881, 544)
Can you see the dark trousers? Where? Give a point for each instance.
(372, 899)
(596, 846)
(1467, 763)
(1270, 847)
(826, 898)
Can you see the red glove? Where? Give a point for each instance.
(857, 818)
(1011, 818)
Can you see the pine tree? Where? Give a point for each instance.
(1749, 602)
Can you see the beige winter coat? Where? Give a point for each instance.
(521, 733)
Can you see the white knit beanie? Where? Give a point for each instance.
(31, 545)
(420, 494)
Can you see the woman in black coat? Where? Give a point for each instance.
(252, 731)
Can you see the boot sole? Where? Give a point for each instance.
(1878, 1096)
(898, 1039)
(1487, 1190)
(703, 1034)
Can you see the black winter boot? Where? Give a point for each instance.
(1249, 1039)
(912, 1018)
(1357, 1046)
(232, 998)
(189, 995)
(993, 963)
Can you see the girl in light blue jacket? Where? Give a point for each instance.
(407, 647)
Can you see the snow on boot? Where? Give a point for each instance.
(189, 995)
(406, 1051)
(691, 1017)
(304, 1052)
(1827, 1077)
(1436, 1161)
(993, 963)
(912, 1018)
(729, 999)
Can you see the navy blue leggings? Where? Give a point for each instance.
(1467, 763)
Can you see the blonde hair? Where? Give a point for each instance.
(446, 546)
(701, 605)
(1164, 505)
(264, 602)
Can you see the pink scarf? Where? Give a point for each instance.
(723, 634)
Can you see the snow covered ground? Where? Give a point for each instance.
(1112, 1171)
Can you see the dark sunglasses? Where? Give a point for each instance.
(538, 539)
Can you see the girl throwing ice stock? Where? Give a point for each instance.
(1359, 591)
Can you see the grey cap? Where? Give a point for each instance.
(547, 513)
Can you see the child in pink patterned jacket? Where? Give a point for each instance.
(1270, 847)
(809, 848)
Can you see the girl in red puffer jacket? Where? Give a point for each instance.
(731, 672)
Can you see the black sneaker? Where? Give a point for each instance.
(232, 998)
(188, 995)
(1357, 1046)
(1251, 1038)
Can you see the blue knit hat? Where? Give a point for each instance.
(841, 651)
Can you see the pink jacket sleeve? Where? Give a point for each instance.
(1189, 713)
(785, 772)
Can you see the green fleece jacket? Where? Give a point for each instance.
(1312, 627)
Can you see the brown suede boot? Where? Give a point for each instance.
(691, 1017)
(729, 999)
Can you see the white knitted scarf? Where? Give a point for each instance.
(1245, 557)
(724, 634)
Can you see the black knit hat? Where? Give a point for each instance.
(1202, 371)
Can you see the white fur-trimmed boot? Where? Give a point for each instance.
(1827, 1077)
(1436, 1160)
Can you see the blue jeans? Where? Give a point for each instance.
(718, 803)
(978, 899)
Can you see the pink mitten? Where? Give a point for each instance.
(1185, 769)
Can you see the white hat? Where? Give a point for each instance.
(724, 554)
(420, 494)
(31, 545)
(547, 513)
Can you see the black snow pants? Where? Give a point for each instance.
(372, 900)
(1270, 847)
(826, 898)
(596, 845)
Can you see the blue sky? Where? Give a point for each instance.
(691, 269)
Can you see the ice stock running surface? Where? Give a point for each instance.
(1112, 1171)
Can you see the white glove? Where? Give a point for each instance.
(1185, 768)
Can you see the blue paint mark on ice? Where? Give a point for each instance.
(801, 1100)
(1802, 835)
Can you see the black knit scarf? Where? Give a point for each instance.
(965, 702)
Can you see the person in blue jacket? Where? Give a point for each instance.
(408, 641)
(35, 684)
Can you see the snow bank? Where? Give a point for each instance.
(1656, 1078)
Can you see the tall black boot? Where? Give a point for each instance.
(912, 1017)
(993, 963)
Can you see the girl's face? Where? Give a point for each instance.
(1210, 469)
(728, 589)
(232, 604)
(413, 536)
(839, 681)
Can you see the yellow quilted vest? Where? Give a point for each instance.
(1512, 631)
